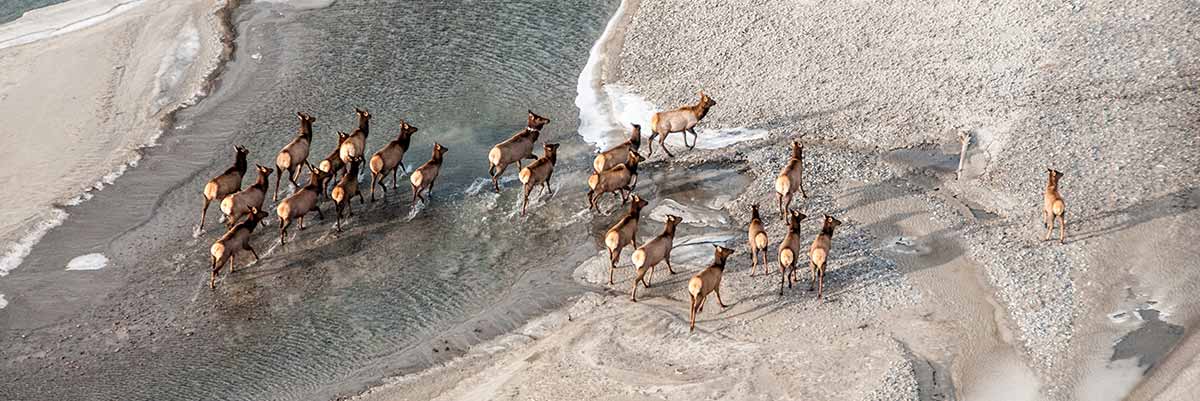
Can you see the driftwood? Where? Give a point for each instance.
(964, 138)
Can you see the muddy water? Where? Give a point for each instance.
(329, 313)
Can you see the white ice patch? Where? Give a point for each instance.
(61, 18)
(91, 261)
(596, 122)
(300, 4)
(15, 253)
(3, 302)
(174, 65)
(695, 216)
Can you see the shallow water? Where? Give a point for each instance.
(10, 10)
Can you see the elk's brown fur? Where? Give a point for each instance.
(300, 203)
(515, 149)
(332, 163)
(239, 203)
(390, 158)
(707, 281)
(538, 173)
(650, 254)
(619, 180)
(683, 119)
(818, 254)
(789, 251)
(423, 177)
(1054, 208)
(791, 179)
(345, 190)
(356, 144)
(623, 233)
(619, 154)
(228, 182)
(757, 241)
(234, 240)
(295, 154)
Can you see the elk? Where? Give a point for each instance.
(239, 203)
(818, 254)
(652, 252)
(757, 241)
(236, 239)
(295, 154)
(538, 173)
(1054, 208)
(300, 203)
(423, 177)
(683, 119)
(345, 190)
(228, 182)
(619, 180)
(390, 158)
(619, 154)
(791, 179)
(331, 164)
(515, 149)
(623, 233)
(708, 281)
(788, 251)
(356, 144)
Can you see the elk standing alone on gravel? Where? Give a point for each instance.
(1054, 208)
(226, 183)
(683, 119)
(623, 233)
(652, 252)
(708, 281)
(538, 173)
(236, 239)
(239, 203)
(516, 148)
(757, 241)
(356, 144)
(295, 154)
(345, 190)
(791, 179)
(818, 255)
(390, 158)
(300, 203)
(619, 180)
(789, 250)
(619, 154)
(331, 164)
(423, 177)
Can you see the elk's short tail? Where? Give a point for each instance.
(525, 175)
(283, 161)
(376, 164)
(1058, 207)
(325, 166)
(760, 241)
(415, 178)
(612, 240)
(210, 190)
(284, 210)
(694, 286)
(338, 194)
(818, 256)
(598, 163)
(783, 185)
(639, 258)
(217, 250)
(227, 205)
(593, 181)
(787, 257)
(494, 156)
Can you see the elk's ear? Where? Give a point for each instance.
(300, 115)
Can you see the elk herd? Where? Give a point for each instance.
(615, 171)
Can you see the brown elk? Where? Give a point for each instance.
(515, 149)
(652, 253)
(423, 177)
(683, 119)
(791, 179)
(345, 190)
(332, 164)
(300, 203)
(236, 239)
(789, 250)
(295, 154)
(708, 281)
(390, 158)
(623, 233)
(538, 173)
(356, 144)
(228, 182)
(818, 254)
(619, 180)
(1054, 208)
(239, 203)
(619, 154)
(757, 241)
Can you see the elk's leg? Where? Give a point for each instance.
(787, 203)
(782, 212)
(375, 177)
(525, 199)
(319, 213)
(337, 225)
(414, 192)
(695, 138)
(1062, 227)
(1045, 218)
(668, 260)
(612, 264)
(763, 252)
(692, 312)
(1049, 229)
(431, 182)
(212, 279)
(821, 282)
(650, 277)
(717, 291)
(292, 172)
(813, 267)
(753, 258)
(782, 274)
(252, 252)
(278, 176)
(283, 223)
(662, 141)
(204, 211)
(496, 177)
(301, 222)
(800, 183)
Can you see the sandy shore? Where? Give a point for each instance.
(83, 85)
(941, 289)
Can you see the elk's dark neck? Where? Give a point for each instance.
(261, 181)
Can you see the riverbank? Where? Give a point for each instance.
(942, 288)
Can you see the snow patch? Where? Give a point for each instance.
(91, 261)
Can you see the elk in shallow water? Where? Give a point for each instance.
(236, 239)
(538, 173)
(390, 158)
(239, 203)
(618, 154)
(619, 180)
(226, 183)
(423, 177)
(683, 119)
(515, 149)
(356, 144)
(345, 190)
(295, 154)
(300, 203)
(623, 233)
(332, 164)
